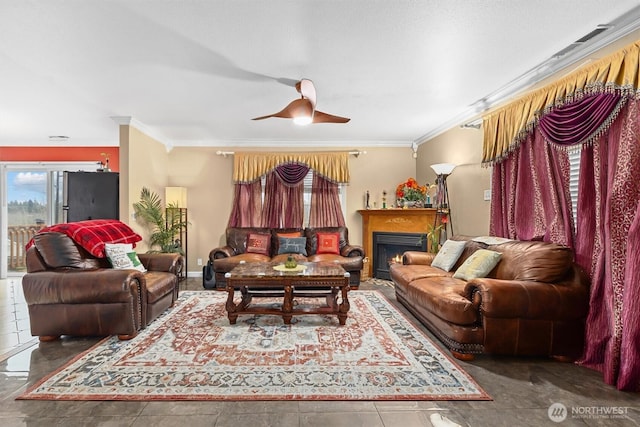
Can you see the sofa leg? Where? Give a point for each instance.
(467, 357)
(48, 338)
(126, 337)
(563, 359)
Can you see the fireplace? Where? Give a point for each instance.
(389, 247)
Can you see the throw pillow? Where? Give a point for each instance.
(479, 264)
(329, 243)
(291, 234)
(292, 245)
(258, 243)
(448, 255)
(122, 257)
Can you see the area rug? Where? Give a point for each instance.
(192, 353)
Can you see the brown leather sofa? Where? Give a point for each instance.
(534, 302)
(224, 259)
(71, 292)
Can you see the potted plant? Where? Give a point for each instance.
(165, 224)
(411, 194)
(433, 238)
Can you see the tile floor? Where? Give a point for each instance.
(522, 389)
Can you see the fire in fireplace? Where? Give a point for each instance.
(389, 247)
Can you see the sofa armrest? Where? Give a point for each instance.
(352, 251)
(528, 299)
(82, 286)
(417, 258)
(222, 252)
(168, 262)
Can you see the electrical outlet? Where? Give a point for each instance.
(487, 195)
(199, 261)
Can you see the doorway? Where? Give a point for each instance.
(32, 198)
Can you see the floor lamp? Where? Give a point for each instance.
(176, 210)
(443, 209)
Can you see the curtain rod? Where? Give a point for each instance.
(231, 153)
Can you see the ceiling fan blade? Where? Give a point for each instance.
(320, 117)
(306, 88)
(298, 107)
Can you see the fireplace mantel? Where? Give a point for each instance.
(412, 220)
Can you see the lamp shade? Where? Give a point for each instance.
(443, 168)
(176, 196)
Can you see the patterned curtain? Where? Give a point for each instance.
(284, 196)
(608, 247)
(533, 178)
(247, 205)
(326, 210)
(530, 197)
(505, 127)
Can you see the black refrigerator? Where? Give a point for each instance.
(91, 195)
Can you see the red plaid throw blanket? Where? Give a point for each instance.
(93, 234)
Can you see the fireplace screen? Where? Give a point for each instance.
(389, 247)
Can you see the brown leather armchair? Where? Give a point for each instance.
(70, 292)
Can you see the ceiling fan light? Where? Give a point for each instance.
(302, 120)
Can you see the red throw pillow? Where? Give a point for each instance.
(258, 243)
(329, 243)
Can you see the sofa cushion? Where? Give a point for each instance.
(225, 265)
(122, 257)
(328, 243)
(59, 251)
(534, 261)
(448, 255)
(348, 263)
(405, 274)
(292, 245)
(477, 265)
(258, 243)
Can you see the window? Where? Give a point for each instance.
(574, 176)
(308, 184)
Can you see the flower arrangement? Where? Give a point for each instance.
(411, 191)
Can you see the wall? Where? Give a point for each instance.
(145, 163)
(207, 177)
(59, 154)
(466, 185)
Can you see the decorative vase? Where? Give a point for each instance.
(290, 262)
(414, 203)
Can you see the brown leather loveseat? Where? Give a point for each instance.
(71, 292)
(534, 302)
(238, 249)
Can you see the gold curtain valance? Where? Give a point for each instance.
(248, 167)
(506, 127)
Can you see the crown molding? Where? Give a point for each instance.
(270, 143)
(133, 122)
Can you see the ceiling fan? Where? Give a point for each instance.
(303, 111)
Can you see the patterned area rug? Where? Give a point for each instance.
(192, 353)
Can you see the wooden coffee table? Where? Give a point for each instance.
(312, 280)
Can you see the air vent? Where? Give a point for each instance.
(599, 30)
(58, 138)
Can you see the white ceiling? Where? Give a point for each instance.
(195, 72)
